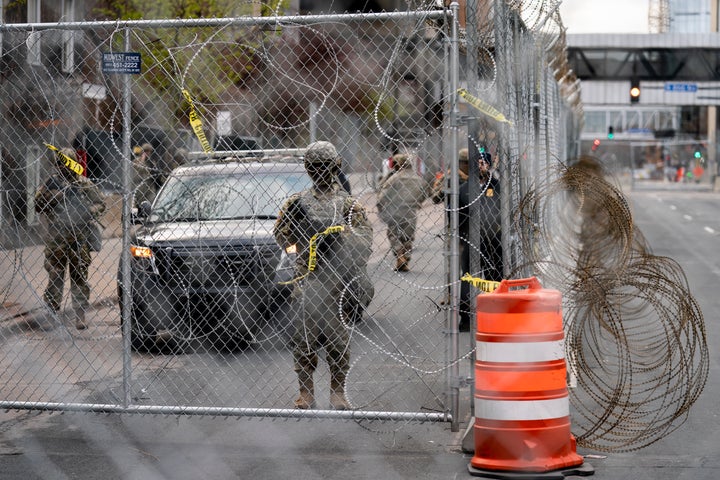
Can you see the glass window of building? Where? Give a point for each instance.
(615, 118)
(633, 120)
(595, 122)
(689, 16)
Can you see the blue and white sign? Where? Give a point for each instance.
(681, 87)
(121, 62)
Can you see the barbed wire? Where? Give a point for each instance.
(635, 336)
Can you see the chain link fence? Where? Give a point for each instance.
(194, 307)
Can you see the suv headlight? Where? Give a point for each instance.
(140, 252)
(144, 258)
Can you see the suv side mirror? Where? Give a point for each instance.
(142, 212)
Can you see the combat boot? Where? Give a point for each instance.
(401, 264)
(80, 319)
(337, 397)
(306, 399)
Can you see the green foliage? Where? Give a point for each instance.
(140, 9)
(15, 11)
(168, 69)
(275, 8)
(384, 105)
(116, 10)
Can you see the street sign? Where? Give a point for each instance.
(121, 62)
(681, 87)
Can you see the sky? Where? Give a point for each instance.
(605, 16)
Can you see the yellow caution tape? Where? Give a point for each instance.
(484, 107)
(69, 162)
(487, 286)
(312, 260)
(196, 124)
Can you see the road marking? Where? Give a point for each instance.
(673, 207)
(709, 230)
(687, 217)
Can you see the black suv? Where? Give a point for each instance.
(204, 264)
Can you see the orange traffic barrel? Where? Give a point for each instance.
(522, 410)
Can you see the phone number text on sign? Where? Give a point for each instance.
(121, 62)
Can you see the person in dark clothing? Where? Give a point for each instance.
(481, 203)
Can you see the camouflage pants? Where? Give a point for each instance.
(67, 255)
(319, 325)
(401, 234)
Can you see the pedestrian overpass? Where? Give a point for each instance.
(674, 116)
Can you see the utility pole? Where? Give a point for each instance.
(712, 111)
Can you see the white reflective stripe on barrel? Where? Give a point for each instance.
(522, 352)
(516, 410)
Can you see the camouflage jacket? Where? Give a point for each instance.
(69, 207)
(309, 214)
(400, 195)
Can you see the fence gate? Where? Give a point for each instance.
(177, 92)
(373, 85)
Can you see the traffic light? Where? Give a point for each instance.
(595, 145)
(698, 152)
(611, 132)
(634, 91)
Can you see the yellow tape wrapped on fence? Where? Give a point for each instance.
(487, 286)
(196, 124)
(312, 260)
(69, 162)
(482, 106)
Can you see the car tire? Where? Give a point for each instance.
(144, 338)
(139, 342)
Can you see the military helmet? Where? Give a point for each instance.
(322, 153)
(463, 155)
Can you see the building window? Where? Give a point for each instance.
(68, 37)
(56, 48)
(34, 45)
(595, 122)
(615, 118)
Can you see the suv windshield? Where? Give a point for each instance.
(190, 198)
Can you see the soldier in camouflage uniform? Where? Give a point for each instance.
(400, 197)
(331, 274)
(70, 206)
(150, 174)
(143, 182)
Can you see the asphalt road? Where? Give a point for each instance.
(683, 226)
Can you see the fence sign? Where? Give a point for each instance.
(121, 62)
